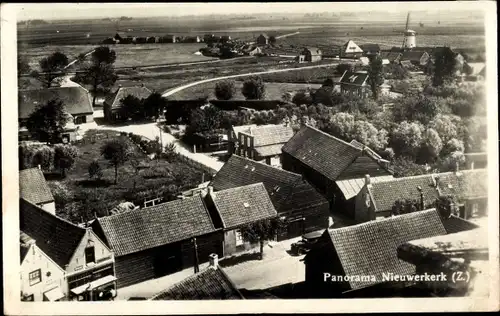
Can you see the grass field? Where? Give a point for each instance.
(274, 91)
(156, 174)
(126, 55)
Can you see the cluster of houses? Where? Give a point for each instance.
(123, 38)
(312, 181)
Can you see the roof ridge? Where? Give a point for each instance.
(241, 187)
(52, 215)
(331, 136)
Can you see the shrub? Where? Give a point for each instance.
(94, 170)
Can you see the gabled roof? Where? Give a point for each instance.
(354, 78)
(324, 153)
(351, 187)
(370, 47)
(24, 251)
(385, 193)
(270, 150)
(455, 224)
(209, 284)
(156, 226)
(33, 187)
(371, 248)
(467, 184)
(138, 92)
(351, 47)
(56, 237)
(76, 100)
(265, 135)
(476, 68)
(243, 205)
(287, 190)
(313, 50)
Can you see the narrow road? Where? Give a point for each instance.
(192, 84)
(286, 35)
(74, 61)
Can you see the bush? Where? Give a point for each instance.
(95, 170)
(224, 90)
(254, 88)
(43, 156)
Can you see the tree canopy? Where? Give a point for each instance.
(254, 88)
(52, 68)
(225, 90)
(375, 75)
(48, 121)
(117, 152)
(444, 66)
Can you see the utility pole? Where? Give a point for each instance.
(196, 261)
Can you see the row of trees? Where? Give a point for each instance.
(138, 109)
(253, 89)
(59, 157)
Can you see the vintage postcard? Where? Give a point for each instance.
(249, 157)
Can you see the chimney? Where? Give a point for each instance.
(367, 179)
(419, 188)
(213, 260)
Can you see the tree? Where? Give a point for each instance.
(444, 66)
(131, 107)
(64, 157)
(272, 40)
(207, 119)
(99, 73)
(341, 125)
(26, 154)
(117, 152)
(48, 121)
(415, 107)
(261, 231)
(368, 135)
(43, 157)
(52, 68)
(94, 170)
(375, 75)
(431, 146)
(225, 90)
(154, 105)
(404, 167)
(301, 97)
(254, 88)
(407, 138)
(22, 66)
(328, 83)
(445, 126)
(453, 145)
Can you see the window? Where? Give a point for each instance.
(90, 254)
(239, 238)
(475, 210)
(35, 277)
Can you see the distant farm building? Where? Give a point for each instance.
(418, 58)
(262, 39)
(312, 54)
(350, 50)
(112, 104)
(354, 83)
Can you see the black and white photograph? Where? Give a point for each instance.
(271, 153)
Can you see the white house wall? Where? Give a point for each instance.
(102, 253)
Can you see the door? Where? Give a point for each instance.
(296, 228)
(167, 260)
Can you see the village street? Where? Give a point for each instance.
(277, 268)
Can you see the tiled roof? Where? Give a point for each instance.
(387, 192)
(76, 100)
(412, 56)
(322, 152)
(158, 225)
(362, 165)
(54, 236)
(355, 78)
(269, 134)
(455, 224)
(371, 248)
(138, 92)
(270, 150)
(467, 184)
(33, 187)
(242, 128)
(243, 205)
(351, 187)
(287, 190)
(209, 284)
(370, 47)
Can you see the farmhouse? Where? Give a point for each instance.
(376, 199)
(350, 50)
(76, 102)
(112, 103)
(418, 58)
(231, 209)
(155, 241)
(34, 188)
(262, 39)
(323, 159)
(297, 202)
(355, 83)
(312, 54)
(259, 142)
(360, 257)
(88, 264)
(370, 49)
(210, 284)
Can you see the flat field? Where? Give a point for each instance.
(274, 90)
(126, 55)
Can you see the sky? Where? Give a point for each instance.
(51, 11)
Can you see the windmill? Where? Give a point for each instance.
(409, 39)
